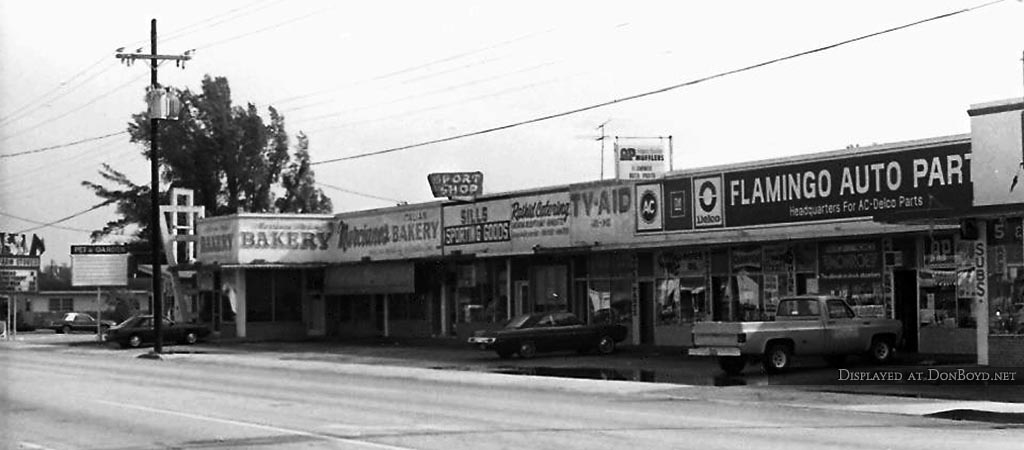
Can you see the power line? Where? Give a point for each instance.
(38, 102)
(42, 223)
(60, 146)
(361, 194)
(268, 28)
(658, 91)
(63, 219)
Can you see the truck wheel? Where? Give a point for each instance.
(527, 350)
(606, 345)
(881, 350)
(778, 358)
(732, 365)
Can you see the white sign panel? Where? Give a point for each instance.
(997, 155)
(649, 207)
(540, 220)
(384, 235)
(479, 227)
(99, 265)
(641, 159)
(707, 202)
(602, 213)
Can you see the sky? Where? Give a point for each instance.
(361, 77)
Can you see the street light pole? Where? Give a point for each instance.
(154, 172)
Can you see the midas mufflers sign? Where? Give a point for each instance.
(920, 179)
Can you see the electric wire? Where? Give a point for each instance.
(63, 219)
(60, 146)
(361, 194)
(43, 223)
(657, 91)
(41, 100)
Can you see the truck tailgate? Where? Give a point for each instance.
(716, 334)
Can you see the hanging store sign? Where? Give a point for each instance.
(456, 184)
(924, 179)
(404, 233)
(602, 213)
(997, 146)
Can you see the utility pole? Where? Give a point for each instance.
(154, 187)
(602, 138)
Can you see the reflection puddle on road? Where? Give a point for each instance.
(643, 375)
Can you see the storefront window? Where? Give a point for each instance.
(852, 270)
(273, 296)
(482, 292)
(612, 301)
(680, 291)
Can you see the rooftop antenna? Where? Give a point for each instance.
(602, 139)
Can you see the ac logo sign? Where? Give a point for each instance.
(648, 211)
(707, 202)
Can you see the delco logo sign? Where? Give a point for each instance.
(707, 202)
(456, 184)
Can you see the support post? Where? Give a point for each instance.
(99, 314)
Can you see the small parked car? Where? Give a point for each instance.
(77, 321)
(528, 334)
(138, 330)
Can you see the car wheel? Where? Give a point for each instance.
(778, 358)
(505, 354)
(191, 338)
(527, 350)
(881, 350)
(66, 329)
(606, 345)
(135, 341)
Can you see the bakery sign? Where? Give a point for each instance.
(412, 232)
(923, 179)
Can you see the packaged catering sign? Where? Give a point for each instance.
(99, 265)
(914, 180)
(413, 232)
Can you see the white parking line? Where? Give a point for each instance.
(257, 425)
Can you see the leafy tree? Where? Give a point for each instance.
(300, 192)
(227, 154)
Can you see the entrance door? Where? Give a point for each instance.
(522, 294)
(646, 293)
(905, 299)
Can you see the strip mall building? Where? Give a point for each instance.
(880, 226)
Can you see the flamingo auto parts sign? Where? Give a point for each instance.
(864, 186)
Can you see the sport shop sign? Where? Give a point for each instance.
(397, 234)
(864, 186)
(510, 225)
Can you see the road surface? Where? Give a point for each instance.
(113, 400)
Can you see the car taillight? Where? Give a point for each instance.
(741, 338)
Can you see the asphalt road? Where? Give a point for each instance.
(66, 399)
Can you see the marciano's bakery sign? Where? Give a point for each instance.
(913, 180)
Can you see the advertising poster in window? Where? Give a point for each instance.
(602, 213)
(397, 234)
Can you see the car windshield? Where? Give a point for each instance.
(523, 321)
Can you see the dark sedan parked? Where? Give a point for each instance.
(138, 330)
(528, 334)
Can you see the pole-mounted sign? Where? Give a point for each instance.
(456, 184)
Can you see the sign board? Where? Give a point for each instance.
(395, 234)
(19, 280)
(456, 184)
(19, 262)
(643, 159)
(917, 180)
(997, 151)
(99, 265)
(602, 213)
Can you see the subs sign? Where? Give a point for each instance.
(456, 184)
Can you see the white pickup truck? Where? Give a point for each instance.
(805, 325)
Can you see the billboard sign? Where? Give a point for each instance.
(520, 224)
(99, 265)
(923, 179)
(413, 232)
(997, 153)
(602, 213)
(19, 262)
(456, 184)
(642, 160)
